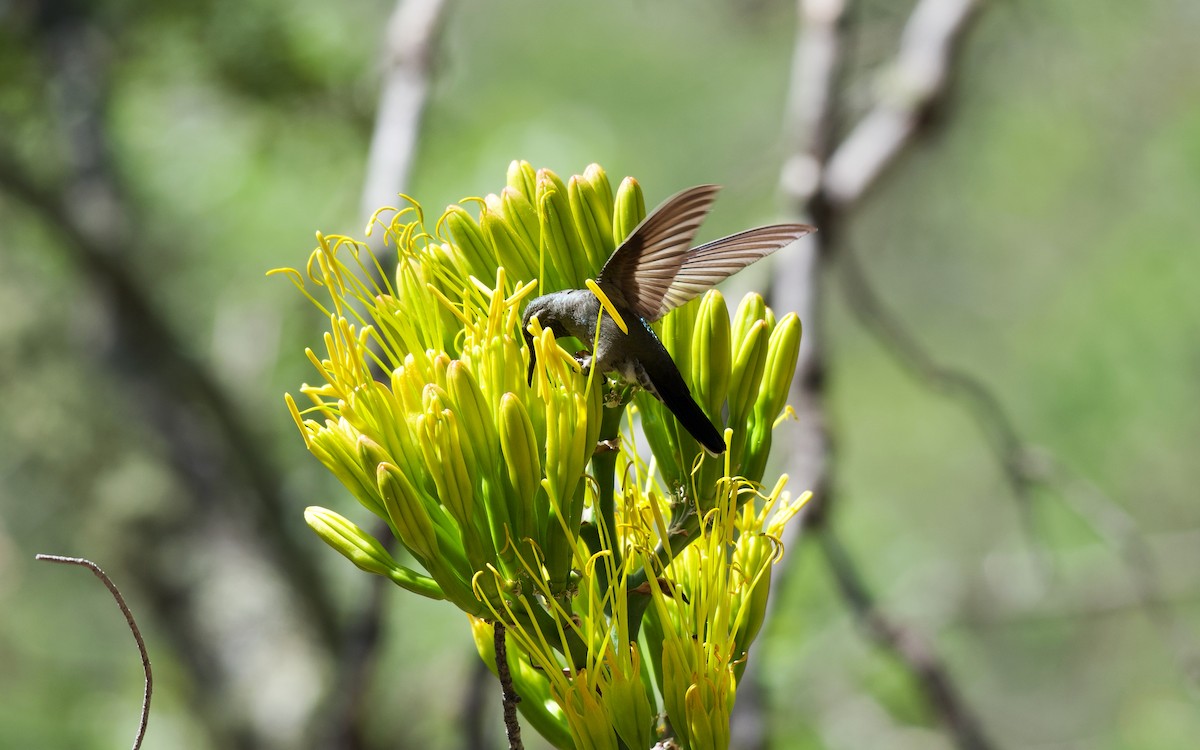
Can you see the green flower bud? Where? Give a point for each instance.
(371, 453)
(710, 355)
(518, 257)
(445, 452)
(754, 554)
(593, 219)
(677, 676)
(782, 351)
(626, 701)
(591, 725)
(523, 178)
(522, 218)
(598, 179)
(477, 426)
(751, 310)
(407, 512)
(677, 330)
(440, 364)
(474, 413)
(474, 249)
(519, 444)
(566, 263)
(782, 354)
(337, 447)
(707, 718)
(447, 465)
(746, 375)
(629, 209)
(366, 552)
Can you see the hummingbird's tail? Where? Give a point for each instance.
(695, 421)
(656, 372)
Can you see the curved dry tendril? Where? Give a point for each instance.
(133, 628)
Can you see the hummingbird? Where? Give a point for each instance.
(653, 272)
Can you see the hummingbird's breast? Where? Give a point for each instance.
(575, 312)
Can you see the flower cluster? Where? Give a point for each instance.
(631, 580)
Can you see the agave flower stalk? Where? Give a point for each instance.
(629, 567)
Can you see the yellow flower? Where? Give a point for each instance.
(424, 412)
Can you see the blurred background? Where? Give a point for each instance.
(1007, 317)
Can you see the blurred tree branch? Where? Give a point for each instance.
(343, 721)
(825, 182)
(411, 39)
(1028, 469)
(214, 452)
(818, 65)
(409, 46)
(822, 180)
(474, 714)
(918, 78)
(1099, 585)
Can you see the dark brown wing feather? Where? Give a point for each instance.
(643, 268)
(705, 266)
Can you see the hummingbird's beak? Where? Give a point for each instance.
(532, 352)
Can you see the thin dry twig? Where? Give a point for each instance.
(133, 628)
(512, 727)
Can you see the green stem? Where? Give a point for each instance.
(574, 649)
(604, 467)
(683, 531)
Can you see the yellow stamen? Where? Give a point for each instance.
(608, 305)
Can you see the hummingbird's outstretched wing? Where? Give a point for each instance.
(705, 266)
(653, 271)
(642, 269)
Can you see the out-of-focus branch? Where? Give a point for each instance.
(827, 188)
(817, 65)
(915, 83)
(916, 80)
(1097, 585)
(1121, 534)
(213, 451)
(89, 212)
(412, 34)
(178, 389)
(822, 181)
(903, 643)
(409, 46)
(817, 71)
(475, 702)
